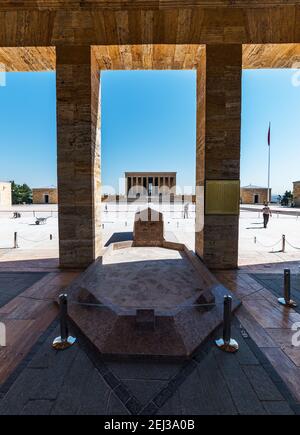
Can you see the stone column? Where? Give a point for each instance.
(132, 185)
(218, 155)
(78, 156)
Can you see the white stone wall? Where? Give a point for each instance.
(5, 194)
(296, 193)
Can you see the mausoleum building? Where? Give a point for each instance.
(150, 183)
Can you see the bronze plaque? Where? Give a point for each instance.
(222, 197)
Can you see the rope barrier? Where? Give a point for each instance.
(268, 246)
(99, 305)
(36, 241)
(292, 246)
(283, 241)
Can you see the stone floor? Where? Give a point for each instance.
(268, 323)
(77, 381)
(12, 284)
(275, 283)
(27, 311)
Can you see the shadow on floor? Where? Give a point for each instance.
(278, 266)
(47, 264)
(14, 283)
(119, 237)
(274, 282)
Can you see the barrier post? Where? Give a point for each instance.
(283, 243)
(16, 240)
(64, 340)
(226, 343)
(286, 300)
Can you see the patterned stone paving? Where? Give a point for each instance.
(27, 310)
(78, 381)
(268, 323)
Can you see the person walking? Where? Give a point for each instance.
(186, 211)
(266, 214)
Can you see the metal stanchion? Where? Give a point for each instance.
(64, 340)
(226, 343)
(16, 240)
(286, 300)
(283, 243)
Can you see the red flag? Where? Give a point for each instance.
(269, 134)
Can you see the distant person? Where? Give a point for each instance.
(106, 208)
(266, 214)
(186, 211)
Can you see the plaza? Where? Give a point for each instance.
(256, 245)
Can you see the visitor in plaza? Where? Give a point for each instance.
(186, 211)
(266, 214)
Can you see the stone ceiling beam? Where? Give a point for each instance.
(149, 56)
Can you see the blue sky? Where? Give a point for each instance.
(149, 124)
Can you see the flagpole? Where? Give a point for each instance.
(269, 162)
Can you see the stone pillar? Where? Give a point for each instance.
(128, 185)
(78, 156)
(218, 155)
